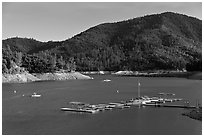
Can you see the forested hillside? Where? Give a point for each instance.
(166, 41)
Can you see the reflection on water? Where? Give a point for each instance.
(25, 115)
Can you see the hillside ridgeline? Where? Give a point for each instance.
(166, 41)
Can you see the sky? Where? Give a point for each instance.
(57, 21)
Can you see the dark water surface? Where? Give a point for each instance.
(34, 116)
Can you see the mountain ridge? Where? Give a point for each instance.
(158, 41)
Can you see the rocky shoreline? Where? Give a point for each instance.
(27, 77)
(162, 73)
(194, 114)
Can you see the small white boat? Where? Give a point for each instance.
(110, 106)
(161, 93)
(77, 103)
(126, 106)
(179, 99)
(168, 100)
(137, 102)
(107, 108)
(116, 104)
(106, 80)
(171, 94)
(35, 95)
(119, 107)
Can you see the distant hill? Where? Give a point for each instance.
(28, 45)
(159, 41)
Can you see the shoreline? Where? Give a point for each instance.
(194, 114)
(188, 75)
(26, 77)
(39, 77)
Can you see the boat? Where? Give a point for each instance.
(140, 99)
(116, 104)
(168, 100)
(146, 102)
(100, 108)
(110, 106)
(154, 100)
(119, 107)
(178, 99)
(77, 103)
(101, 105)
(106, 108)
(161, 93)
(137, 102)
(106, 80)
(171, 94)
(173, 99)
(126, 106)
(35, 95)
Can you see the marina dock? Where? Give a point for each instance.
(164, 105)
(154, 101)
(79, 110)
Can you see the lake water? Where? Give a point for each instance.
(36, 116)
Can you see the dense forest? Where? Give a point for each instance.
(167, 41)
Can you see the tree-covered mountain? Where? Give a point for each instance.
(167, 41)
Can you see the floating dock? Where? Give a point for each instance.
(79, 110)
(174, 106)
(139, 101)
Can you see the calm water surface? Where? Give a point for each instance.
(35, 116)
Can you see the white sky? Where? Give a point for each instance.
(59, 21)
